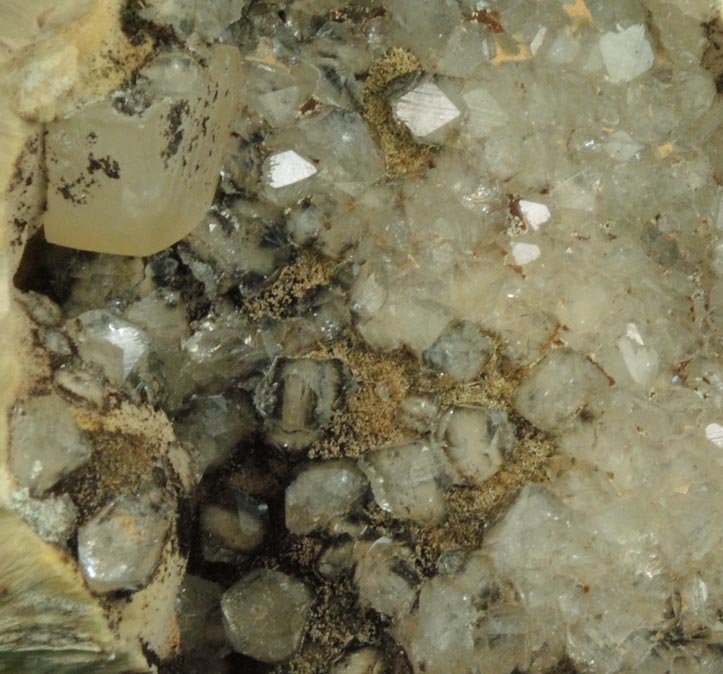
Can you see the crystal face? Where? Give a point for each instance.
(120, 547)
(47, 443)
(441, 352)
(265, 614)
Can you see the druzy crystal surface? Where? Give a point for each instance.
(445, 352)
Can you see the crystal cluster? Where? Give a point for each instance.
(445, 352)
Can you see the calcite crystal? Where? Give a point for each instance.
(135, 173)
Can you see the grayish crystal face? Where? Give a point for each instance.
(47, 444)
(296, 400)
(408, 481)
(231, 534)
(120, 547)
(322, 494)
(265, 614)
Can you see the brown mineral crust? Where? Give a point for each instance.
(304, 274)
(402, 154)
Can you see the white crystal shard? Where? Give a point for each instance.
(111, 342)
(425, 109)
(534, 213)
(642, 362)
(265, 613)
(538, 40)
(524, 253)
(46, 443)
(714, 433)
(627, 53)
(287, 168)
(632, 332)
(120, 547)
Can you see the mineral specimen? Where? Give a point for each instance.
(265, 613)
(440, 345)
(47, 444)
(120, 547)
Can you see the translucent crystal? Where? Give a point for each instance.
(206, 19)
(337, 559)
(385, 577)
(408, 481)
(323, 493)
(46, 443)
(199, 613)
(111, 342)
(296, 400)
(229, 534)
(475, 440)
(461, 351)
(212, 426)
(265, 613)
(485, 113)
(418, 413)
(562, 386)
(82, 384)
(120, 547)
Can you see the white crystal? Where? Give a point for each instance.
(474, 439)
(54, 518)
(560, 387)
(111, 342)
(627, 53)
(407, 481)
(425, 109)
(46, 443)
(265, 613)
(288, 167)
(120, 547)
(538, 40)
(534, 213)
(384, 575)
(524, 253)
(714, 433)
